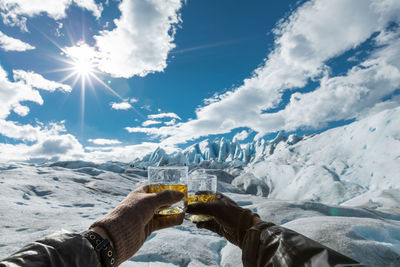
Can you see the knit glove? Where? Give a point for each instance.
(230, 220)
(134, 219)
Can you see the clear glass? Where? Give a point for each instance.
(169, 178)
(202, 187)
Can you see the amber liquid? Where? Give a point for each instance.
(200, 198)
(176, 208)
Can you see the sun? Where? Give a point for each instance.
(83, 66)
(82, 60)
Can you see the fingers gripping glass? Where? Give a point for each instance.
(169, 178)
(201, 188)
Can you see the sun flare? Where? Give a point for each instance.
(82, 59)
(83, 66)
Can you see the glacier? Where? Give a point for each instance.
(340, 187)
(219, 153)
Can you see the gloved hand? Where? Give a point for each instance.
(133, 220)
(230, 220)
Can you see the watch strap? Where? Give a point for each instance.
(103, 248)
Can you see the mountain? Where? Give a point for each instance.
(220, 153)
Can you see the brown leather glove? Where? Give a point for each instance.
(230, 220)
(133, 220)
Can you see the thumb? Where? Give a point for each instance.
(167, 197)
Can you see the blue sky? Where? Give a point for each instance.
(170, 73)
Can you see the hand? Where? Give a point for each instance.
(133, 220)
(230, 220)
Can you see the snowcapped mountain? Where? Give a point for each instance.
(340, 187)
(220, 153)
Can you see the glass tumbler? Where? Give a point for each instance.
(202, 187)
(169, 178)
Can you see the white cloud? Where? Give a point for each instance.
(36, 80)
(349, 96)
(99, 148)
(241, 136)
(149, 131)
(133, 100)
(141, 40)
(27, 132)
(163, 115)
(10, 152)
(121, 106)
(8, 43)
(150, 122)
(90, 5)
(61, 147)
(316, 32)
(12, 93)
(21, 110)
(171, 122)
(102, 141)
(49, 142)
(15, 130)
(15, 12)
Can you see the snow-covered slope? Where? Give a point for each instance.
(39, 199)
(358, 164)
(340, 187)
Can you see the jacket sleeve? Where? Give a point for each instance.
(56, 250)
(267, 244)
